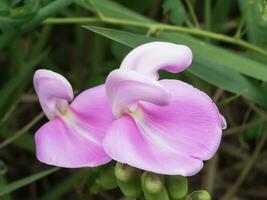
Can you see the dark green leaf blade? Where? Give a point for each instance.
(255, 15)
(209, 70)
(176, 10)
(25, 181)
(13, 89)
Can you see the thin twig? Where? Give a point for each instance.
(211, 174)
(207, 7)
(232, 190)
(238, 129)
(192, 13)
(20, 132)
(212, 165)
(8, 113)
(217, 95)
(155, 10)
(259, 111)
(29, 98)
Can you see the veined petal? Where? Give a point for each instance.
(75, 139)
(172, 139)
(126, 87)
(92, 106)
(125, 143)
(53, 90)
(68, 145)
(151, 57)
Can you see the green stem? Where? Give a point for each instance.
(20, 132)
(41, 15)
(160, 26)
(73, 20)
(192, 13)
(207, 14)
(239, 29)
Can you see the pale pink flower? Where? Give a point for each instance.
(162, 126)
(73, 136)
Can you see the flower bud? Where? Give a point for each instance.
(106, 179)
(177, 186)
(128, 179)
(199, 195)
(153, 187)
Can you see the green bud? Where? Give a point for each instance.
(128, 179)
(106, 179)
(199, 195)
(153, 187)
(177, 186)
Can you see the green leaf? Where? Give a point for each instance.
(43, 13)
(255, 15)
(220, 14)
(110, 9)
(255, 132)
(25, 181)
(230, 99)
(138, 5)
(201, 49)
(2, 183)
(64, 186)
(11, 17)
(3, 168)
(176, 10)
(203, 67)
(13, 89)
(218, 56)
(25, 141)
(129, 39)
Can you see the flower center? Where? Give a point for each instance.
(61, 108)
(135, 113)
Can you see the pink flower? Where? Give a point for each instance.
(73, 136)
(162, 126)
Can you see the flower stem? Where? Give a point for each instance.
(22, 130)
(192, 13)
(159, 26)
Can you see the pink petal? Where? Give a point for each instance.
(172, 139)
(75, 138)
(151, 57)
(191, 123)
(93, 106)
(53, 90)
(126, 87)
(126, 144)
(223, 122)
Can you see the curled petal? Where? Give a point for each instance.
(126, 87)
(189, 128)
(223, 121)
(75, 138)
(151, 57)
(53, 90)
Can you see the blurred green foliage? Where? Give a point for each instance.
(85, 40)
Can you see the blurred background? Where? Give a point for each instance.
(85, 39)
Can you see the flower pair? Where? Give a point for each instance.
(162, 126)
